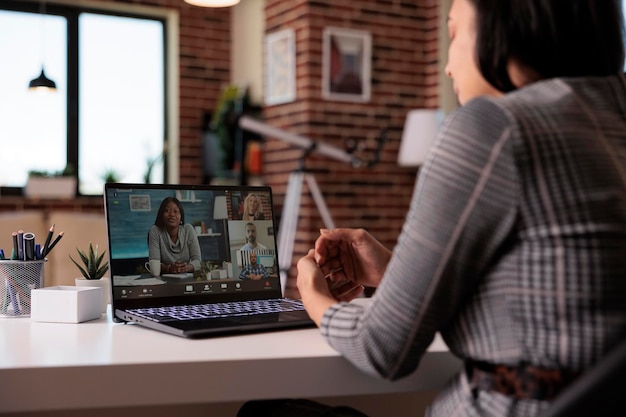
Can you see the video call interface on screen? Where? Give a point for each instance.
(237, 250)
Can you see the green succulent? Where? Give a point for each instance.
(92, 267)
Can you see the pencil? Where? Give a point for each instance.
(54, 242)
(10, 289)
(20, 245)
(44, 248)
(5, 300)
(13, 297)
(15, 245)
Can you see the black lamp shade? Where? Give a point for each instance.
(42, 82)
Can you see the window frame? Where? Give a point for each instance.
(71, 10)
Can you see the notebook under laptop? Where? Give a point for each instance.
(216, 240)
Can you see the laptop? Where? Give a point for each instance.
(226, 293)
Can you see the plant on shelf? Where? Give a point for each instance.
(68, 171)
(223, 124)
(150, 164)
(92, 267)
(111, 175)
(205, 270)
(231, 142)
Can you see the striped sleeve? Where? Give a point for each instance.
(463, 208)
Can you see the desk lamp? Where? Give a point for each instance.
(220, 210)
(420, 130)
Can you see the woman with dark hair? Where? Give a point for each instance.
(513, 247)
(172, 241)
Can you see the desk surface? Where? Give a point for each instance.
(54, 366)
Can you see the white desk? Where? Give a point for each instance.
(56, 366)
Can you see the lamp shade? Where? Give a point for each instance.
(420, 130)
(220, 209)
(212, 3)
(42, 83)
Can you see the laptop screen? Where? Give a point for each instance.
(190, 243)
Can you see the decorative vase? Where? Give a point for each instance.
(104, 283)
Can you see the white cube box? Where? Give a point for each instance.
(66, 304)
(219, 274)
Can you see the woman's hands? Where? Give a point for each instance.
(351, 255)
(314, 290)
(178, 268)
(342, 263)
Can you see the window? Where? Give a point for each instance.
(110, 68)
(33, 126)
(122, 99)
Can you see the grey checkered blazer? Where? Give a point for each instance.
(514, 248)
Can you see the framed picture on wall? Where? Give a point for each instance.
(346, 64)
(139, 202)
(280, 67)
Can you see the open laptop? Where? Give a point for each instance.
(216, 299)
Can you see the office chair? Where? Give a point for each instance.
(601, 391)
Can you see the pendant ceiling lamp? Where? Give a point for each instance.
(42, 83)
(212, 3)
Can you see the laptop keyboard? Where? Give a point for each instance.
(218, 310)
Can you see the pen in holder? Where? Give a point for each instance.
(17, 279)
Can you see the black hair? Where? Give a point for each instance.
(554, 38)
(159, 217)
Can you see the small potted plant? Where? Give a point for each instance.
(111, 175)
(93, 267)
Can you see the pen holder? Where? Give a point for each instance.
(17, 279)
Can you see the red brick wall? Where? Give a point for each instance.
(404, 77)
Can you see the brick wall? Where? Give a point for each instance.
(204, 71)
(404, 77)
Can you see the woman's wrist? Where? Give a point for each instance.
(316, 306)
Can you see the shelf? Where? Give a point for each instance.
(187, 196)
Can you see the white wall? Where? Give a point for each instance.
(248, 29)
(447, 98)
